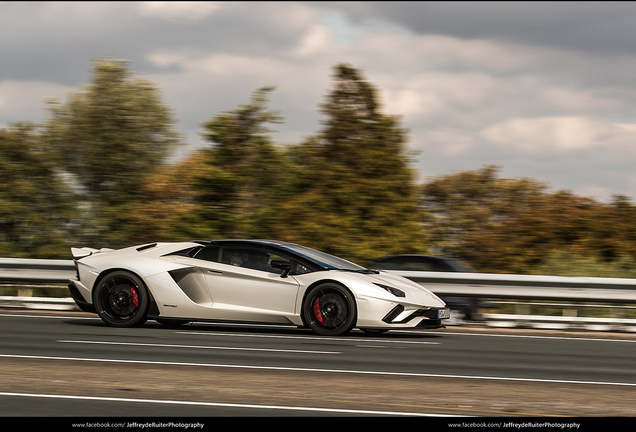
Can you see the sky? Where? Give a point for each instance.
(544, 90)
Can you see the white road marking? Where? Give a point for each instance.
(293, 369)
(418, 333)
(312, 338)
(221, 405)
(47, 316)
(538, 337)
(198, 346)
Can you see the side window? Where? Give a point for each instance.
(441, 266)
(382, 265)
(403, 263)
(419, 265)
(233, 256)
(298, 268)
(249, 257)
(208, 253)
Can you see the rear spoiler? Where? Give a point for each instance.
(79, 253)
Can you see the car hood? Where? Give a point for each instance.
(366, 285)
(413, 290)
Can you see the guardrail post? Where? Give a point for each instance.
(25, 292)
(522, 310)
(570, 311)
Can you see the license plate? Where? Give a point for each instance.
(443, 313)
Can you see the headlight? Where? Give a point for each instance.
(396, 292)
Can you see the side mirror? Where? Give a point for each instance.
(283, 265)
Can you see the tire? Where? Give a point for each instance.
(121, 300)
(329, 310)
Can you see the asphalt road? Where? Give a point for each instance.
(74, 366)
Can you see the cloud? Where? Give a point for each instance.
(18, 99)
(552, 136)
(190, 10)
(314, 41)
(544, 89)
(574, 26)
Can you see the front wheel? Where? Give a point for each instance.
(121, 300)
(329, 310)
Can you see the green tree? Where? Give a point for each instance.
(36, 205)
(564, 263)
(245, 176)
(356, 194)
(110, 136)
(615, 230)
(517, 226)
(498, 225)
(169, 209)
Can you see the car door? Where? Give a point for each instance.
(243, 286)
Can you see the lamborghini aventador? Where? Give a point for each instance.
(250, 281)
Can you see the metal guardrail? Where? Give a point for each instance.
(477, 285)
(488, 285)
(617, 291)
(482, 285)
(36, 270)
(560, 322)
(42, 303)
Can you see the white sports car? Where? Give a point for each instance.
(253, 281)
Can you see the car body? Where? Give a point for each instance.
(462, 308)
(263, 281)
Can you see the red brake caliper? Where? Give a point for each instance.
(317, 312)
(135, 297)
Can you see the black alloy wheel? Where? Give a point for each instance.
(121, 300)
(329, 310)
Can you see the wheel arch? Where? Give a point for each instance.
(153, 310)
(335, 282)
(106, 272)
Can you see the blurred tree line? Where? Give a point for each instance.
(96, 173)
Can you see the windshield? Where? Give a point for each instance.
(323, 259)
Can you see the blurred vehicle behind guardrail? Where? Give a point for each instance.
(462, 308)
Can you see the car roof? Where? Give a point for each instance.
(246, 241)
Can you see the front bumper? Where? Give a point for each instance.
(397, 315)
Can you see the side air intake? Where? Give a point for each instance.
(192, 282)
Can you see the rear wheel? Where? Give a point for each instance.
(121, 300)
(329, 310)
